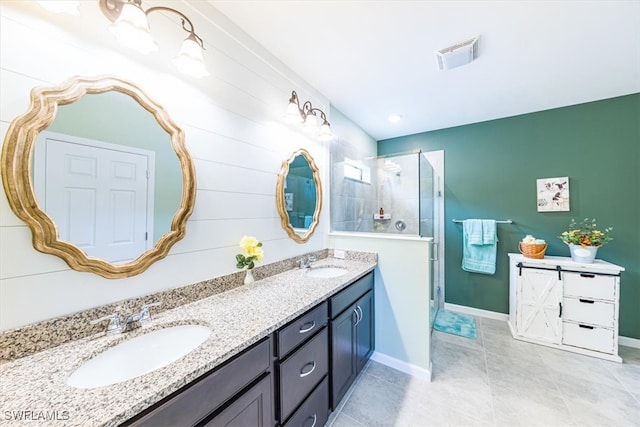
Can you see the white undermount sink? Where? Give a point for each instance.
(139, 356)
(326, 272)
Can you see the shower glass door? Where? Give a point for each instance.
(426, 200)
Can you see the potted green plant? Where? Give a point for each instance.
(584, 239)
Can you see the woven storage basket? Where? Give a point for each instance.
(531, 250)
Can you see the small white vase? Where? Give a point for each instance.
(583, 254)
(248, 278)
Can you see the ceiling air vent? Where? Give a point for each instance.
(459, 54)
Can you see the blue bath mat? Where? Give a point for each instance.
(456, 324)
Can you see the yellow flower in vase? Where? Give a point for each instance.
(252, 252)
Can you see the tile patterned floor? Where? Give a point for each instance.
(497, 381)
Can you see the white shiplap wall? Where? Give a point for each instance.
(233, 128)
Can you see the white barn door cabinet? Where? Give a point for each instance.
(563, 304)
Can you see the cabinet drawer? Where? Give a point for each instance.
(315, 410)
(252, 408)
(301, 329)
(584, 310)
(196, 401)
(589, 285)
(347, 296)
(589, 337)
(302, 371)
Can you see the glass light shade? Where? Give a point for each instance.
(132, 29)
(64, 6)
(325, 132)
(311, 123)
(189, 60)
(293, 113)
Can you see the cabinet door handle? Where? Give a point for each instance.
(560, 314)
(313, 368)
(590, 276)
(586, 301)
(305, 330)
(314, 417)
(358, 318)
(361, 313)
(586, 326)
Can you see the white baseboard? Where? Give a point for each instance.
(476, 311)
(402, 366)
(629, 342)
(626, 341)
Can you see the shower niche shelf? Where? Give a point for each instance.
(381, 217)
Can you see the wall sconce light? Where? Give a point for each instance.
(130, 26)
(308, 116)
(59, 6)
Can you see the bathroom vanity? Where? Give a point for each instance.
(270, 360)
(286, 377)
(560, 303)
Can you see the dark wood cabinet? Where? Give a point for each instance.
(301, 372)
(217, 392)
(251, 408)
(303, 364)
(364, 330)
(352, 335)
(314, 411)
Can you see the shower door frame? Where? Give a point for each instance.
(436, 159)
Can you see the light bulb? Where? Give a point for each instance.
(132, 29)
(293, 113)
(325, 132)
(311, 123)
(66, 6)
(189, 59)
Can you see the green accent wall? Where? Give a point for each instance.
(491, 170)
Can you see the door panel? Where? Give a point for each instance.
(539, 302)
(344, 369)
(98, 197)
(364, 330)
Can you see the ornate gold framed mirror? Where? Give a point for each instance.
(100, 174)
(299, 196)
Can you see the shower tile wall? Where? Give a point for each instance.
(398, 193)
(394, 188)
(352, 203)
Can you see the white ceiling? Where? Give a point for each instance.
(375, 58)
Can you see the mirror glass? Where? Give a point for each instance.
(299, 196)
(110, 178)
(106, 173)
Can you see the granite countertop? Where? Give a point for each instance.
(34, 387)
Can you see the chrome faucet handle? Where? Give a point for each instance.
(311, 258)
(114, 327)
(145, 313)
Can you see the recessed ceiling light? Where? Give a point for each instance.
(394, 118)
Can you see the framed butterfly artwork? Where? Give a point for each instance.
(553, 194)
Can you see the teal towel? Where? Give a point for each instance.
(479, 257)
(308, 219)
(473, 231)
(489, 235)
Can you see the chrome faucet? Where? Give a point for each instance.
(116, 326)
(305, 262)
